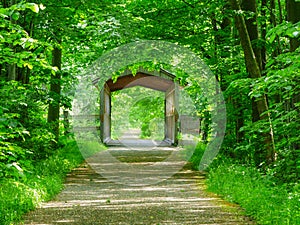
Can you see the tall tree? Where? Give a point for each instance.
(252, 27)
(250, 8)
(254, 71)
(55, 89)
(293, 16)
(11, 67)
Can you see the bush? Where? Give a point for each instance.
(18, 196)
(24, 133)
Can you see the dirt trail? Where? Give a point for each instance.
(89, 198)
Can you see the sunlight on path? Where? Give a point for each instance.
(89, 198)
(131, 138)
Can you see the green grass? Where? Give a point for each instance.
(193, 154)
(264, 201)
(90, 147)
(19, 196)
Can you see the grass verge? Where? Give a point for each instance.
(264, 201)
(43, 183)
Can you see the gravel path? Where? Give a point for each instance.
(91, 198)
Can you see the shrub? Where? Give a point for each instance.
(18, 196)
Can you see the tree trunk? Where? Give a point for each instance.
(255, 72)
(252, 28)
(264, 33)
(280, 12)
(11, 68)
(66, 122)
(276, 50)
(55, 88)
(205, 127)
(239, 120)
(293, 16)
(11, 72)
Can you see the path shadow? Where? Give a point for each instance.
(91, 198)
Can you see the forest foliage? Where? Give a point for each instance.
(252, 47)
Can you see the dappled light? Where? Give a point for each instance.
(90, 197)
(131, 112)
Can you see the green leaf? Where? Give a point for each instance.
(33, 7)
(288, 88)
(28, 65)
(3, 12)
(272, 37)
(42, 7)
(296, 34)
(15, 16)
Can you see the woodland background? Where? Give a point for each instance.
(251, 46)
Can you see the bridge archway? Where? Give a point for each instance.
(158, 80)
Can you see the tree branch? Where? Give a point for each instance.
(189, 4)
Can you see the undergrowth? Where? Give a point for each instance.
(18, 196)
(195, 154)
(262, 199)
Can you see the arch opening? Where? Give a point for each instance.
(162, 82)
(137, 111)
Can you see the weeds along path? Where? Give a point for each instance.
(90, 198)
